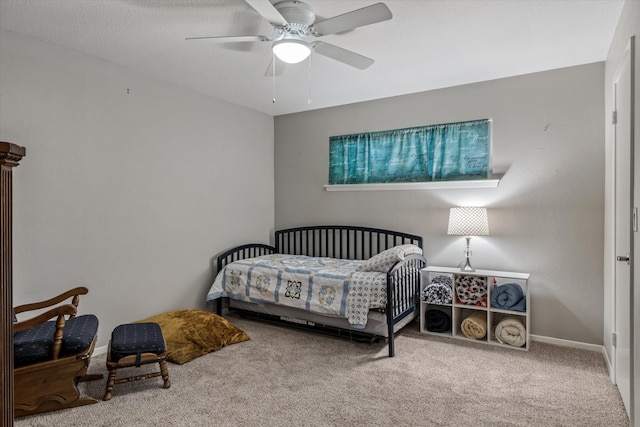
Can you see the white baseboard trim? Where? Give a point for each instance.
(100, 350)
(548, 340)
(568, 343)
(581, 346)
(609, 364)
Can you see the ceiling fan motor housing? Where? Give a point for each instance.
(293, 21)
(296, 12)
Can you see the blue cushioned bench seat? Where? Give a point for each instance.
(34, 345)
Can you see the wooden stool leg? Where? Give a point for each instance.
(165, 373)
(110, 382)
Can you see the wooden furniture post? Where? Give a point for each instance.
(10, 155)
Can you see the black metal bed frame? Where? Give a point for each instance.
(348, 242)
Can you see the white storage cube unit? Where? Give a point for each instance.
(468, 312)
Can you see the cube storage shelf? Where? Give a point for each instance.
(458, 310)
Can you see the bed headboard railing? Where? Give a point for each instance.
(243, 252)
(340, 241)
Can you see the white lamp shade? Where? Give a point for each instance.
(291, 51)
(468, 221)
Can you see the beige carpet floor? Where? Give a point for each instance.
(288, 377)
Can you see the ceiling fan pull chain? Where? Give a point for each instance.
(273, 73)
(309, 82)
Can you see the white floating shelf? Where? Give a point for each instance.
(432, 185)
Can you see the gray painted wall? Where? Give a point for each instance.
(546, 217)
(125, 193)
(129, 186)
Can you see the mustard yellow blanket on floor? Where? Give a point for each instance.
(193, 333)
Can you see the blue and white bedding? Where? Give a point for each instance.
(328, 286)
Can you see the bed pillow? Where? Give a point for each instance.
(194, 333)
(383, 261)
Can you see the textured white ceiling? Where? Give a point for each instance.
(428, 44)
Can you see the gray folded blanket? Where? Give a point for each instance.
(509, 296)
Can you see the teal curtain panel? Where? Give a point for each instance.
(443, 152)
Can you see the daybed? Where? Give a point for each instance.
(352, 281)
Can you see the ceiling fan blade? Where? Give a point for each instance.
(348, 21)
(277, 70)
(232, 39)
(343, 55)
(268, 12)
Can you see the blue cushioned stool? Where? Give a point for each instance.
(132, 345)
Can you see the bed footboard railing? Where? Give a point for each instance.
(403, 289)
(241, 252)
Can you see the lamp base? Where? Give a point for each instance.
(467, 266)
(467, 254)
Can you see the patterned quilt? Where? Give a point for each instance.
(326, 286)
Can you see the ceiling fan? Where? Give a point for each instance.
(294, 21)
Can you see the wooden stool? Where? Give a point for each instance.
(136, 344)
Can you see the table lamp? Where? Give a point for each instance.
(468, 222)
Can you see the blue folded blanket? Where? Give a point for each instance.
(509, 296)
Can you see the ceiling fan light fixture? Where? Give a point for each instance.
(291, 51)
